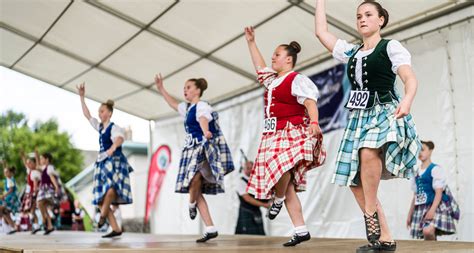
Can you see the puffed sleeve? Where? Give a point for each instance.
(117, 131)
(343, 50)
(439, 177)
(51, 171)
(266, 76)
(94, 123)
(303, 88)
(203, 109)
(398, 55)
(182, 109)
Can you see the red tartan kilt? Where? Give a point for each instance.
(285, 150)
(28, 202)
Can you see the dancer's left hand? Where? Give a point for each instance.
(208, 135)
(429, 215)
(314, 130)
(403, 109)
(110, 151)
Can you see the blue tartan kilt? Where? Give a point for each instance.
(377, 128)
(11, 203)
(444, 221)
(113, 172)
(216, 153)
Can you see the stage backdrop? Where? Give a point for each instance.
(443, 112)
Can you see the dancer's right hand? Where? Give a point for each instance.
(81, 88)
(409, 221)
(249, 34)
(159, 81)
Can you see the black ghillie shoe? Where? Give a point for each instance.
(297, 239)
(207, 236)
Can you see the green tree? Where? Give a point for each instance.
(17, 136)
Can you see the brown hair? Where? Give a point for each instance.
(12, 169)
(429, 144)
(200, 83)
(109, 104)
(292, 50)
(382, 12)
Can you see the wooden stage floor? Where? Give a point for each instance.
(62, 241)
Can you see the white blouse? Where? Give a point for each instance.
(439, 178)
(302, 87)
(396, 52)
(203, 109)
(116, 131)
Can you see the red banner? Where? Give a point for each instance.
(159, 163)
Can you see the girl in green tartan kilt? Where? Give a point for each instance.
(380, 139)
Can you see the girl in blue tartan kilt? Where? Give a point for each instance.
(206, 158)
(380, 140)
(111, 170)
(433, 210)
(9, 202)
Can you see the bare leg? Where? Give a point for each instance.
(282, 185)
(429, 233)
(109, 197)
(293, 205)
(195, 187)
(366, 194)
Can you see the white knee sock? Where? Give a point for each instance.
(301, 230)
(192, 205)
(211, 229)
(279, 200)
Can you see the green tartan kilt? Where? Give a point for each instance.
(377, 128)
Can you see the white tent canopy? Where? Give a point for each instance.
(117, 46)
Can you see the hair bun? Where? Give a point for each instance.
(110, 103)
(202, 84)
(296, 46)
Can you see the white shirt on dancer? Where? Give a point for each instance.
(35, 176)
(203, 109)
(114, 133)
(302, 87)
(396, 52)
(439, 178)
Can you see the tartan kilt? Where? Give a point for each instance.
(113, 172)
(217, 153)
(444, 221)
(286, 149)
(377, 128)
(249, 223)
(11, 202)
(28, 202)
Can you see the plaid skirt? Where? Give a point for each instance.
(377, 128)
(11, 203)
(28, 202)
(113, 172)
(444, 221)
(216, 153)
(282, 151)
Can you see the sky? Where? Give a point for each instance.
(42, 101)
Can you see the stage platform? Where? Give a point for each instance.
(62, 241)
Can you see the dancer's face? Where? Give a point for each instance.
(425, 153)
(191, 91)
(30, 164)
(104, 113)
(44, 160)
(7, 173)
(280, 59)
(368, 20)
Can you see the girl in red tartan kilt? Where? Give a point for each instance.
(28, 202)
(291, 142)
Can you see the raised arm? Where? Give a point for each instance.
(257, 58)
(168, 98)
(321, 27)
(81, 88)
